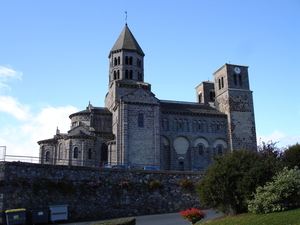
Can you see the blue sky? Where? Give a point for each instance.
(54, 58)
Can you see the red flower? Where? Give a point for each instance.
(193, 215)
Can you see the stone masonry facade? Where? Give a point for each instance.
(95, 193)
(137, 129)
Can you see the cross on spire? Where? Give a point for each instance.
(126, 17)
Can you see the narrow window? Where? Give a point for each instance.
(75, 155)
(115, 61)
(60, 151)
(201, 150)
(219, 84)
(130, 60)
(126, 74)
(200, 98)
(115, 75)
(140, 120)
(211, 96)
(118, 74)
(130, 74)
(90, 153)
(47, 156)
(220, 150)
(119, 60)
(126, 60)
(222, 79)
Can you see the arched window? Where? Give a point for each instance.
(90, 153)
(126, 60)
(75, 155)
(118, 74)
(165, 124)
(47, 156)
(222, 79)
(115, 61)
(130, 74)
(201, 149)
(60, 151)
(130, 60)
(126, 74)
(211, 96)
(220, 149)
(119, 60)
(219, 84)
(140, 120)
(200, 98)
(115, 75)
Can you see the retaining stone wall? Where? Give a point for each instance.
(93, 194)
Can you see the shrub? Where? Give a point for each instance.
(126, 221)
(125, 183)
(155, 184)
(230, 182)
(278, 195)
(291, 156)
(186, 183)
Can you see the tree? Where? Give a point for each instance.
(291, 156)
(230, 181)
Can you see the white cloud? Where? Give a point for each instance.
(7, 74)
(11, 106)
(21, 136)
(283, 140)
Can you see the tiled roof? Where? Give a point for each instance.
(127, 41)
(174, 107)
(96, 110)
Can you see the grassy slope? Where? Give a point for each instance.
(291, 217)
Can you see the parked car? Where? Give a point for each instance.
(198, 169)
(121, 167)
(150, 168)
(107, 166)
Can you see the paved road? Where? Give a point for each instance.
(160, 219)
(171, 218)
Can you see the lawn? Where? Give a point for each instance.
(291, 217)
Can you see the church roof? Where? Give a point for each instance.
(177, 107)
(126, 41)
(95, 110)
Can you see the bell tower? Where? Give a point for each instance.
(126, 67)
(234, 98)
(126, 58)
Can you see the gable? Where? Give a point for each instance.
(140, 96)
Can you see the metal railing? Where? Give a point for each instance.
(20, 158)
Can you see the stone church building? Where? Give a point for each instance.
(137, 129)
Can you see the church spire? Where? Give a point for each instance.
(126, 41)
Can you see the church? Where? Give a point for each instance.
(137, 129)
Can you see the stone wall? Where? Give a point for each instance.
(93, 194)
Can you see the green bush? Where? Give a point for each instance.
(126, 221)
(231, 180)
(291, 156)
(278, 195)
